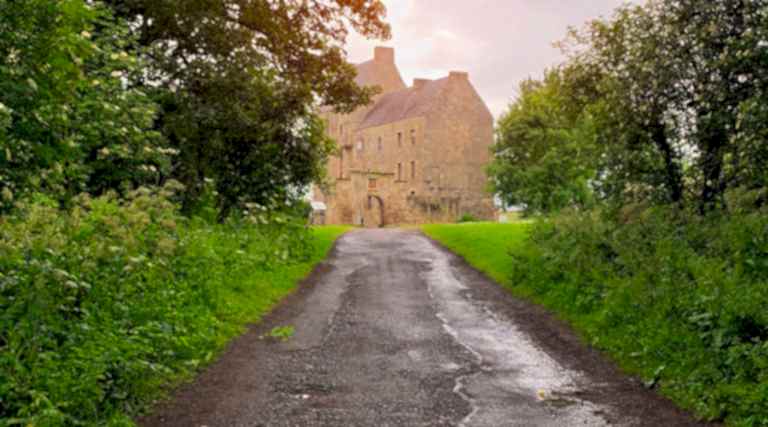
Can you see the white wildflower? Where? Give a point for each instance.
(7, 194)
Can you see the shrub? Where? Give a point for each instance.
(467, 218)
(103, 306)
(71, 117)
(677, 298)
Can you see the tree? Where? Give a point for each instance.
(545, 149)
(239, 81)
(684, 83)
(70, 121)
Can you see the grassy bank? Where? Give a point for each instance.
(106, 306)
(484, 245)
(679, 303)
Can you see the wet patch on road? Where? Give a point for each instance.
(517, 381)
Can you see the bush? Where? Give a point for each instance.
(676, 298)
(72, 119)
(467, 218)
(103, 306)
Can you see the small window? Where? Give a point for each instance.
(381, 146)
(399, 171)
(361, 145)
(413, 136)
(400, 139)
(372, 183)
(413, 170)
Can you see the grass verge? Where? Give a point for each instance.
(679, 303)
(486, 246)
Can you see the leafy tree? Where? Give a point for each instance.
(544, 155)
(683, 92)
(70, 121)
(239, 81)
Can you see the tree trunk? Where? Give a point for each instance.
(673, 174)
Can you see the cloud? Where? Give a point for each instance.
(499, 42)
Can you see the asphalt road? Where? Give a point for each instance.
(393, 330)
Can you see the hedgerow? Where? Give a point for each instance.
(679, 300)
(104, 306)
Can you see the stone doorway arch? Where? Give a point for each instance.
(374, 213)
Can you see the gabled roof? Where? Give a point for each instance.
(366, 73)
(406, 103)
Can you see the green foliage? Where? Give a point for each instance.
(70, 118)
(682, 96)
(283, 333)
(239, 83)
(467, 218)
(545, 150)
(663, 103)
(103, 306)
(679, 302)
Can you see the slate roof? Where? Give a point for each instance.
(404, 104)
(365, 73)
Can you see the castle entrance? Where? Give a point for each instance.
(374, 212)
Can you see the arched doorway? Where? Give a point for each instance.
(374, 212)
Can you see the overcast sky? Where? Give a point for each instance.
(499, 42)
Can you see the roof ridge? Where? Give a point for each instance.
(404, 103)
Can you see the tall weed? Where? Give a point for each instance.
(102, 306)
(678, 299)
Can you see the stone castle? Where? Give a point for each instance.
(414, 155)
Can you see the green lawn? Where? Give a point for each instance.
(257, 291)
(484, 245)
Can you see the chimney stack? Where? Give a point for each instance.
(419, 83)
(458, 75)
(384, 54)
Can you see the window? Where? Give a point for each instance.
(371, 183)
(399, 171)
(400, 139)
(361, 145)
(381, 146)
(341, 164)
(413, 170)
(413, 136)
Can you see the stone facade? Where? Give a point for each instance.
(415, 155)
